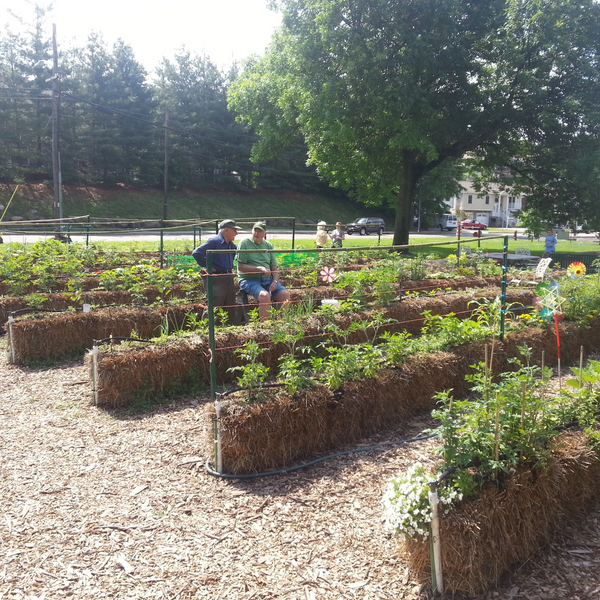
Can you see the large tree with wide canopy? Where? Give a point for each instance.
(385, 92)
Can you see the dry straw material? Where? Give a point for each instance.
(407, 313)
(483, 537)
(273, 434)
(69, 334)
(64, 301)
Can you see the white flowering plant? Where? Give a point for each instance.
(406, 502)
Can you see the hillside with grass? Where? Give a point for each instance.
(36, 201)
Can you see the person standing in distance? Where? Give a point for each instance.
(257, 271)
(223, 284)
(337, 236)
(322, 235)
(551, 242)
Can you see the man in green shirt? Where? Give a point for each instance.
(257, 271)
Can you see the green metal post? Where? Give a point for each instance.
(458, 231)
(293, 232)
(162, 231)
(213, 363)
(87, 234)
(503, 293)
(211, 325)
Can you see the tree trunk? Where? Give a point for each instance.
(408, 182)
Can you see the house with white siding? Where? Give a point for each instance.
(494, 207)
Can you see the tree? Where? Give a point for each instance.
(24, 110)
(385, 91)
(111, 114)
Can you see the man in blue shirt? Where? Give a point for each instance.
(551, 242)
(222, 264)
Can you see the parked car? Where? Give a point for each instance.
(446, 221)
(470, 224)
(366, 225)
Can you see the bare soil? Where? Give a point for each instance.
(105, 505)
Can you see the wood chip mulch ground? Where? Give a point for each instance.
(101, 505)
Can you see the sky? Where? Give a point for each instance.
(224, 30)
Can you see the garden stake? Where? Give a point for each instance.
(485, 370)
(524, 384)
(503, 292)
(558, 351)
(436, 572)
(11, 199)
(12, 350)
(497, 435)
(543, 357)
(580, 367)
(95, 373)
(213, 362)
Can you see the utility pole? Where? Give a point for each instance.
(166, 171)
(56, 171)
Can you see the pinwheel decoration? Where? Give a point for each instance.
(576, 270)
(549, 302)
(328, 274)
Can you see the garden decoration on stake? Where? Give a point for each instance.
(551, 309)
(328, 274)
(576, 270)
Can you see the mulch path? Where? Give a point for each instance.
(106, 505)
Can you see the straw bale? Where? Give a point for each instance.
(483, 537)
(64, 301)
(71, 334)
(358, 409)
(226, 343)
(120, 380)
(257, 437)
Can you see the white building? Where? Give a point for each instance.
(493, 207)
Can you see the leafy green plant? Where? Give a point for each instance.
(406, 507)
(254, 373)
(349, 363)
(397, 346)
(509, 423)
(36, 300)
(295, 373)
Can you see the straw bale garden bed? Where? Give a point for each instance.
(104, 503)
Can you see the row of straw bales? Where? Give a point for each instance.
(71, 334)
(163, 366)
(485, 535)
(272, 434)
(60, 285)
(66, 301)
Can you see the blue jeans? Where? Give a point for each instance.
(255, 286)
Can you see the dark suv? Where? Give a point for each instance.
(366, 225)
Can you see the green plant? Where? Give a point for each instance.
(397, 346)
(295, 373)
(253, 373)
(406, 508)
(349, 363)
(509, 423)
(36, 300)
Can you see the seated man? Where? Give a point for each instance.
(223, 285)
(257, 271)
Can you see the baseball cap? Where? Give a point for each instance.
(260, 225)
(229, 223)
